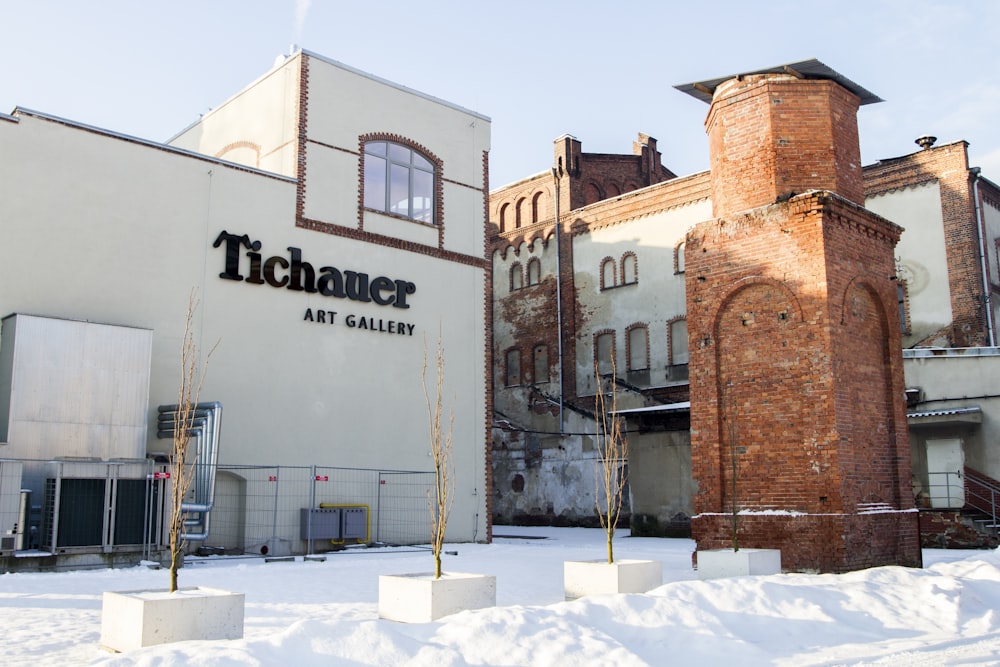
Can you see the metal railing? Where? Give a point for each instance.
(966, 489)
(983, 495)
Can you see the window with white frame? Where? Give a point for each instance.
(399, 180)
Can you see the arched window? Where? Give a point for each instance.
(519, 213)
(512, 374)
(679, 257)
(608, 278)
(399, 180)
(516, 276)
(613, 190)
(591, 194)
(536, 208)
(534, 271)
(638, 348)
(540, 363)
(677, 331)
(630, 268)
(503, 217)
(604, 351)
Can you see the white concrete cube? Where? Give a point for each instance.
(420, 598)
(133, 619)
(599, 577)
(720, 563)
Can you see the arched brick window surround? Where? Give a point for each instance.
(516, 276)
(630, 268)
(606, 263)
(642, 363)
(439, 218)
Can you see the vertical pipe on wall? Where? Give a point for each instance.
(981, 232)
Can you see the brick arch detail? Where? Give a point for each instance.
(614, 266)
(628, 343)
(739, 389)
(635, 276)
(873, 363)
(867, 282)
(544, 235)
(742, 284)
(255, 147)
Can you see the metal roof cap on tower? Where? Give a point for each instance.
(806, 69)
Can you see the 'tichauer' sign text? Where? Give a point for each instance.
(294, 274)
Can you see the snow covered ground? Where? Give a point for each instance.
(324, 613)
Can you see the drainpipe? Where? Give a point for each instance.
(555, 176)
(981, 232)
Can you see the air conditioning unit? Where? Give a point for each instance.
(93, 505)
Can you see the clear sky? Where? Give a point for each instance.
(601, 71)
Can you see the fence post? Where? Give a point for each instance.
(378, 509)
(312, 504)
(274, 512)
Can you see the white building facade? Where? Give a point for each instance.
(332, 227)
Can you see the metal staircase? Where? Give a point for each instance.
(982, 494)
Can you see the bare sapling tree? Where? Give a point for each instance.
(440, 442)
(183, 461)
(613, 452)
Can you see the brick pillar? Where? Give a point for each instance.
(796, 369)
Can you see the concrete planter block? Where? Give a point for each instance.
(420, 598)
(599, 577)
(134, 619)
(719, 563)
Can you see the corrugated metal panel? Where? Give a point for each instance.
(77, 388)
(944, 413)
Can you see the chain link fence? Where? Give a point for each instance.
(79, 506)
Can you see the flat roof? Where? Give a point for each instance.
(805, 69)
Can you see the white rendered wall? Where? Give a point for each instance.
(658, 297)
(921, 251)
(102, 229)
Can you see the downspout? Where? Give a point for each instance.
(559, 328)
(981, 232)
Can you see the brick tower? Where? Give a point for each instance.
(797, 395)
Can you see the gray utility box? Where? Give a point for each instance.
(347, 522)
(325, 523)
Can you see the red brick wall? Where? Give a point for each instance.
(794, 336)
(770, 136)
